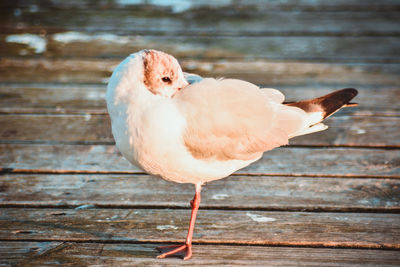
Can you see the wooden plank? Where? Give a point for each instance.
(192, 5)
(255, 5)
(53, 98)
(174, 15)
(64, 128)
(355, 131)
(301, 161)
(65, 71)
(214, 21)
(319, 48)
(236, 192)
(89, 129)
(120, 254)
(267, 73)
(83, 98)
(352, 230)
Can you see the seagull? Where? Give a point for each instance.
(188, 129)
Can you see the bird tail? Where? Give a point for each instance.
(322, 107)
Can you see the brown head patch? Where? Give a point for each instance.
(160, 69)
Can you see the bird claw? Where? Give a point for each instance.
(182, 251)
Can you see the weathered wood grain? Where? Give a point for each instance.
(343, 130)
(261, 72)
(353, 230)
(84, 254)
(90, 99)
(207, 30)
(68, 128)
(53, 98)
(236, 192)
(320, 48)
(355, 131)
(214, 22)
(342, 162)
(251, 5)
(216, 18)
(323, 204)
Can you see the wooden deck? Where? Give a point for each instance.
(68, 198)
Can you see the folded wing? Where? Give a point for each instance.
(233, 119)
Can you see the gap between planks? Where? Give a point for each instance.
(395, 210)
(5, 170)
(322, 245)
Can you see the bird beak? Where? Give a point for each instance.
(180, 86)
(183, 84)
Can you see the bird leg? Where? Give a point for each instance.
(187, 247)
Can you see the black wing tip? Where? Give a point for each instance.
(329, 103)
(336, 100)
(342, 96)
(350, 91)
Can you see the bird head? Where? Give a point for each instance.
(162, 74)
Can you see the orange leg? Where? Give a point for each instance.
(187, 247)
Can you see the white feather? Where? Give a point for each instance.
(149, 129)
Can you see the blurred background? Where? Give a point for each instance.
(56, 56)
(282, 43)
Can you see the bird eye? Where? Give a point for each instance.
(166, 79)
